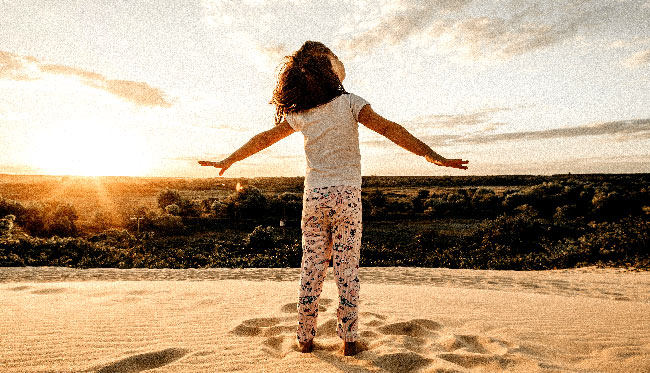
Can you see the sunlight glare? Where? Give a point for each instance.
(80, 149)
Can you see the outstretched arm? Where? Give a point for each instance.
(400, 136)
(257, 143)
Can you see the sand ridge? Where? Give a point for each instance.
(411, 320)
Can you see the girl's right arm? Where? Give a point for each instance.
(400, 136)
(257, 143)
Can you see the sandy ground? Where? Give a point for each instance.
(412, 319)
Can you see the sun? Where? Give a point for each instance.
(83, 149)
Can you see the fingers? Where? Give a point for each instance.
(459, 163)
(210, 164)
(223, 166)
(455, 163)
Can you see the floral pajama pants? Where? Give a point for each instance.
(331, 225)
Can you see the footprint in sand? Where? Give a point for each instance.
(264, 326)
(402, 346)
(485, 362)
(402, 362)
(474, 344)
(20, 288)
(472, 351)
(48, 291)
(280, 332)
(276, 329)
(146, 361)
(412, 328)
(422, 346)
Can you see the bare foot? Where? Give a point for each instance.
(351, 348)
(306, 347)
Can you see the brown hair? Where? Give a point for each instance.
(305, 80)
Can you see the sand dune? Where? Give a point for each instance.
(412, 320)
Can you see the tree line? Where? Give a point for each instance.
(559, 222)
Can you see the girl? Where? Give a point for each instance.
(309, 97)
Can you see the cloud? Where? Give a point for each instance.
(274, 51)
(629, 42)
(497, 38)
(14, 67)
(431, 140)
(625, 129)
(476, 123)
(636, 127)
(258, 29)
(528, 26)
(267, 57)
(483, 117)
(638, 59)
(411, 18)
(21, 68)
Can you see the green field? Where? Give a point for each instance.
(503, 222)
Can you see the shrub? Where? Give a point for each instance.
(55, 251)
(6, 226)
(611, 205)
(169, 197)
(173, 209)
(261, 238)
(617, 242)
(510, 235)
(286, 206)
(249, 203)
(168, 224)
(60, 220)
(181, 206)
(418, 201)
(102, 221)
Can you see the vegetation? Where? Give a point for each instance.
(496, 222)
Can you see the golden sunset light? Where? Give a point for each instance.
(77, 149)
(325, 186)
(507, 84)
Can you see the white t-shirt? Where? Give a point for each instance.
(331, 134)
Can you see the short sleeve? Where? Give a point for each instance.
(356, 104)
(293, 121)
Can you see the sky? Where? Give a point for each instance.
(148, 88)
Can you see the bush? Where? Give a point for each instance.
(418, 201)
(507, 236)
(262, 238)
(55, 251)
(620, 242)
(61, 220)
(249, 203)
(172, 202)
(613, 205)
(168, 224)
(287, 206)
(169, 197)
(173, 209)
(102, 221)
(448, 203)
(6, 226)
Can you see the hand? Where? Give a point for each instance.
(453, 163)
(223, 165)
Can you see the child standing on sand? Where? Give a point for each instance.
(309, 97)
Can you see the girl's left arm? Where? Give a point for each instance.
(400, 136)
(257, 143)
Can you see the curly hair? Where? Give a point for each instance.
(305, 80)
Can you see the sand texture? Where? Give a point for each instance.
(411, 320)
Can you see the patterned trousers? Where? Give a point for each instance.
(331, 225)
